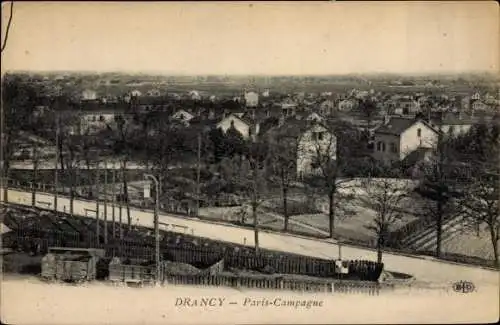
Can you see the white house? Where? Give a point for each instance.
(308, 141)
(397, 137)
(135, 93)
(313, 143)
(92, 122)
(347, 105)
(194, 95)
(455, 124)
(182, 116)
(251, 99)
(88, 94)
(479, 105)
(243, 124)
(154, 93)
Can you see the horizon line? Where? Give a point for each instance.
(177, 73)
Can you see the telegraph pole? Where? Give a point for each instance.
(120, 213)
(113, 202)
(97, 204)
(56, 181)
(156, 225)
(198, 176)
(105, 202)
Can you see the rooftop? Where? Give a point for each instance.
(397, 125)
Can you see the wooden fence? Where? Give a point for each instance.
(274, 283)
(188, 249)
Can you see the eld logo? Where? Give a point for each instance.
(463, 287)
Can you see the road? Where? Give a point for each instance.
(424, 269)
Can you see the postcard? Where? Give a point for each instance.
(250, 162)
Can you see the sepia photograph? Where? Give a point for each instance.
(250, 162)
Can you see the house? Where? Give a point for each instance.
(288, 107)
(241, 123)
(314, 117)
(194, 95)
(88, 94)
(265, 93)
(326, 107)
(153, 93)
(347, 105)
(453, 124)
(182, 116)
(309, 140)
(251, 99)
(92, 122)
(397, 137)
(94, 117)
(479, 105)
(135, 93)
(408, 105)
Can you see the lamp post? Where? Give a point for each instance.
(156, 225)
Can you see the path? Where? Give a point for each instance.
(425, 269)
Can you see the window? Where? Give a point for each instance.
(320, 136)
(419, 133)
(93, 118)
(394, 148)
(101, 118)
(380, 146)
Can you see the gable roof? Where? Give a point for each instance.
(397, 125)
(245, 119)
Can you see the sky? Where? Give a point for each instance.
(260, 38)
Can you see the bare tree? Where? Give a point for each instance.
(35, 159)
(253, 180)
(121, 133)
(480, 204)
(480, 207)
(284, 168)
(72, 145)
(329, 168)
(18, 101)
(384, 197)
(438, 188)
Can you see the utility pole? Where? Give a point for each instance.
(56, 181)
(120, 213)
(105, 202)
(97, 203)
(113, 201)
(198, 177)
(156, 225)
